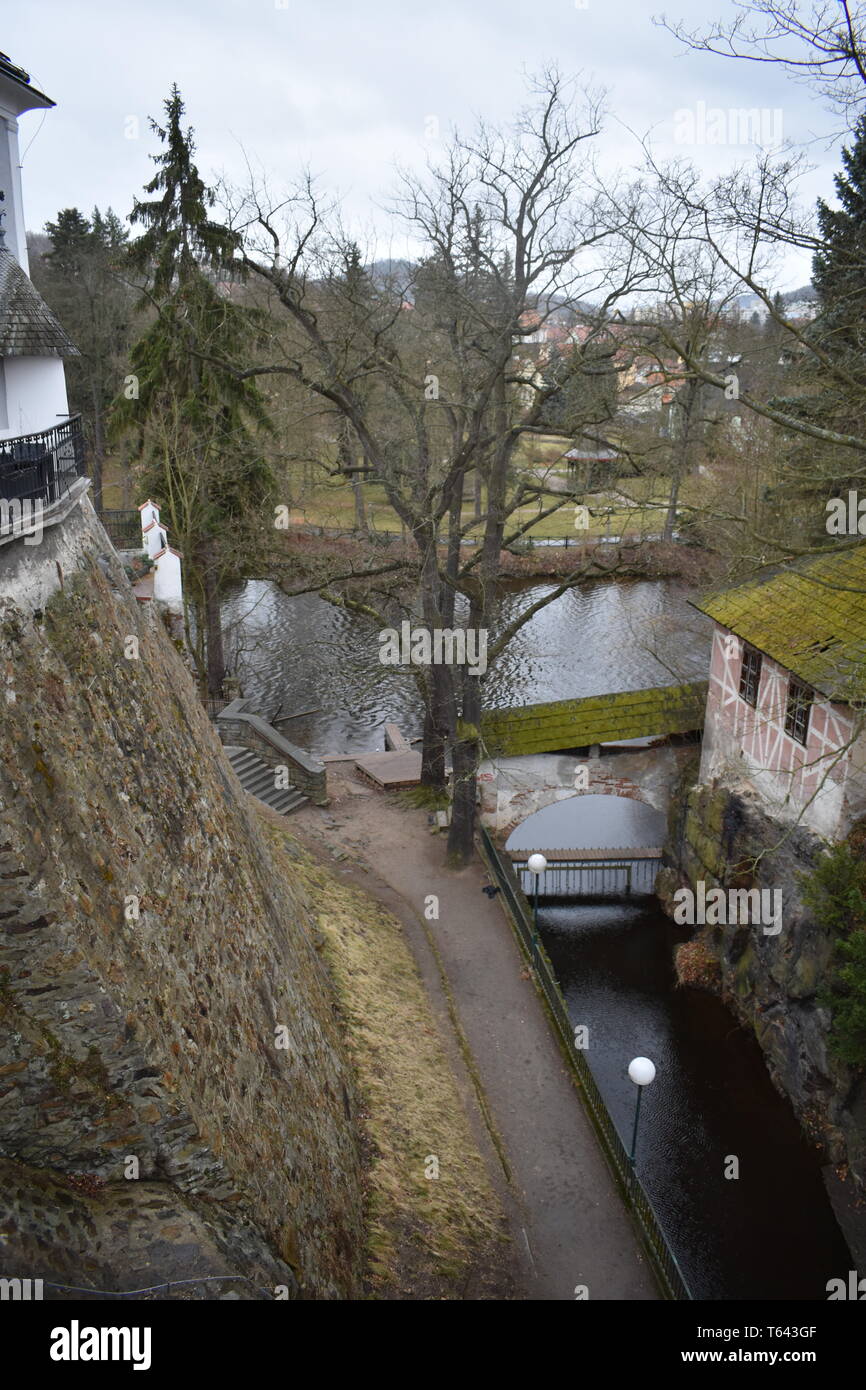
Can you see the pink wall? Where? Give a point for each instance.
(814, 779)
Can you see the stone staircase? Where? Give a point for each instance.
(257, 778)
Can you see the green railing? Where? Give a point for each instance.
(653, 1239)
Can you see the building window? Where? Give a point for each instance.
(797, 708)
(750, 676)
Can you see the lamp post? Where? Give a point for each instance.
(642, 1072)
(536, 864)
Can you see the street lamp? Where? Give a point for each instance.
(536, 864)
(642, 1071)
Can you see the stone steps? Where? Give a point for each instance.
(257, 778)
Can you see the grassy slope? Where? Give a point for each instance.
(427, 1238)
(332, 504)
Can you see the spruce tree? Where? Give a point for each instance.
(839, 267)
(829, 388)
(79, 278)
(195, 422)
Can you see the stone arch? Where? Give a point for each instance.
(611, 822)
(512, 789)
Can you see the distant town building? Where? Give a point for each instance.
(786, 690)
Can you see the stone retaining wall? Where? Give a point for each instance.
(161, 995)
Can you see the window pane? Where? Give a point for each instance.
(750, 675)
(797, 711)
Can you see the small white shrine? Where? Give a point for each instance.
(167, 579)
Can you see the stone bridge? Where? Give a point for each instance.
(628, 744)
(512, 789)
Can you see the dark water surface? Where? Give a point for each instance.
(303, 652)
(771, 1233)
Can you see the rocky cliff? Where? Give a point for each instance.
(720, 834)
(169, 1039)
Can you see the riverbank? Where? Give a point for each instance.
(313, 556)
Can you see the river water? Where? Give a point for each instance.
(303, 653)
(770, 1233)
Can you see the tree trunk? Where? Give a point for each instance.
(213, 631)
(360, 509)
(98, 455)
(465, 754)
(681, 454)
(440, 703)
(432, 755)
(466, 748)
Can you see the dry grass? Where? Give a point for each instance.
(427, 1237)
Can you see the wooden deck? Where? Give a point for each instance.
(390, 770)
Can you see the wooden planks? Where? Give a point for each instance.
(388, 770)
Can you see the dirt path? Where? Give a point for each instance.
(568, 1224)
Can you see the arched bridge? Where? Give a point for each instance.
(620, 745)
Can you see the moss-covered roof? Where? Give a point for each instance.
(667, 709)
(809, 616)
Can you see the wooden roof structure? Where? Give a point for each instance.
(627, 714)
(28, 328)
(809, 616)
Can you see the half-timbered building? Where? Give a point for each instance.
(787, 690)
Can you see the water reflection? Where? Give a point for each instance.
(303, 652)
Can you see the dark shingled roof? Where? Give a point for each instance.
(27, 326)
(810, 617)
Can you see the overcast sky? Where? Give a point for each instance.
(349, 88)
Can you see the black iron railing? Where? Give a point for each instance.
(123, 527)
(42, 467)
(653, 1239)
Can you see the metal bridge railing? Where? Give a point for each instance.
(653, 1239)
(597, 878)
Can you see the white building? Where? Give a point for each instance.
(167, 583)
(41, 446)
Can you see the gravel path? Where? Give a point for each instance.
(568, 1225)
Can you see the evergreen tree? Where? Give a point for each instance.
(81, 281)
(839, 267)
(71, 242)
(195, 422)
(827, 388)
(836, 893)
(839, 330)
